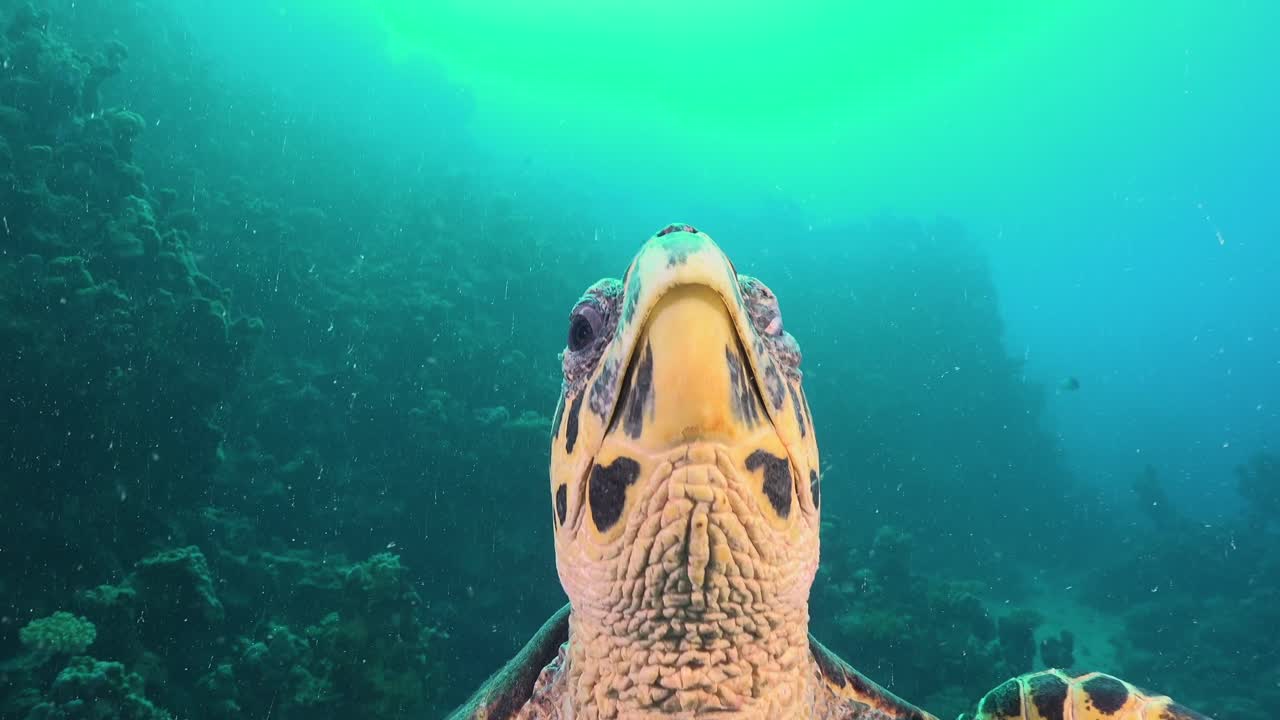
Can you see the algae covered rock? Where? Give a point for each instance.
(59, 634)
(378, 652)
(1017, 638)
(113, 400)
(131, 233)
(89, 689)
(167, 604)
(124, 126)
(177, 584)
(371, 654)
(1058, 652)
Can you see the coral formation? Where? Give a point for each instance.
(117, 351)
(935, 637)
(59, 634)
(88, 689)
(1016, 632)
(120, 355)
(1058, 652)
(1188, 588)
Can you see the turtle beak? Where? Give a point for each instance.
(688, 378)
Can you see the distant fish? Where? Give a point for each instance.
(1070, 383)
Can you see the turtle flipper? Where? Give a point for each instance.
(1053, 695)
(504, 694)
(841, 689)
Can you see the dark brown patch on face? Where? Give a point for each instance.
(1005, 701)
(773, 383)
(804, 406)
(815, 488)
(607, 488)
(571, 425)
(562, 502)
(777, 479)
(745, 407)
(1049, 693)
(795, 407)
(602, 389)
(681, 247)
(1106, 693)
(631, 297)
(638, 394)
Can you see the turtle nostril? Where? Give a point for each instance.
(677, 227)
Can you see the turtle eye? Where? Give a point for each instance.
(584, 326)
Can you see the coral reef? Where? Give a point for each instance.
(372, 657)
(119, 358)
(1058, 652)
(934, 639)
(89, 689)
(117, 351)
(1016, 632)
(938, 423)
(1186, 589)
(59, 634)
(362, 647)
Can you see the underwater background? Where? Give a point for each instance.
(283, 284)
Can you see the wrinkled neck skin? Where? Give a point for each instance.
(698, 609)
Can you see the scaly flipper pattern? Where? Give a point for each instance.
(1053, 695)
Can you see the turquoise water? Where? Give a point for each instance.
(282, 288)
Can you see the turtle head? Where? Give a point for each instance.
(684, 470)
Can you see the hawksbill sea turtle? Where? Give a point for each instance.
(685, 499)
